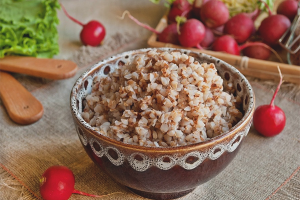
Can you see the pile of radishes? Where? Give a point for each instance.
(208, 25)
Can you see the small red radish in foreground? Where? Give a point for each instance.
(92, 33)
(168, 35)
(180, 8)
(288, 8)
(240, 27)
(269, 120)
(214, 13)
(191, 33)
(57, 183)
(273, 27)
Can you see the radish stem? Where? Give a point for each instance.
(253, 15)
(267, 6)
(277, 89)
(179, 20)
(138, 22)
(72, 18)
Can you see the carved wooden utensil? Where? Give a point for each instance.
(21, 105)
(41, 67)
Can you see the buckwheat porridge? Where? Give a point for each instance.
(161, 99)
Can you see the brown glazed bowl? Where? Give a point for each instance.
(157, 172)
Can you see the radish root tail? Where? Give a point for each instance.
(93, 195)
(70, 17)
(138, 22)
(124, 13)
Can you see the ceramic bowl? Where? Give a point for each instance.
(162, 173)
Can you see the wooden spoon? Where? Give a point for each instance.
(41, 67)
(22, 107)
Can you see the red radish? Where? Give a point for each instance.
(192, 32)
(92, 33)
(57, 183)
(288, 8)
(240, 27)
(273, 27)
(208, 39)
(182, 4)
(174, 12)
(257, 52)
(168, 35)
(226, 43)
(196, 9)
(180, 8)
(214, 13)
(269, 120)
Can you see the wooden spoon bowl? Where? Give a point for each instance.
(21, 105)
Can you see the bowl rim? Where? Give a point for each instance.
(246, 119)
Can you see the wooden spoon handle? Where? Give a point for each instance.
(22, 107)
(40, 67)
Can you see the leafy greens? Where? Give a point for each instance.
(29, 28)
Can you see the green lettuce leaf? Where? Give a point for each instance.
(29, 28)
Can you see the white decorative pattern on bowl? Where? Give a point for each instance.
(213, 153)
